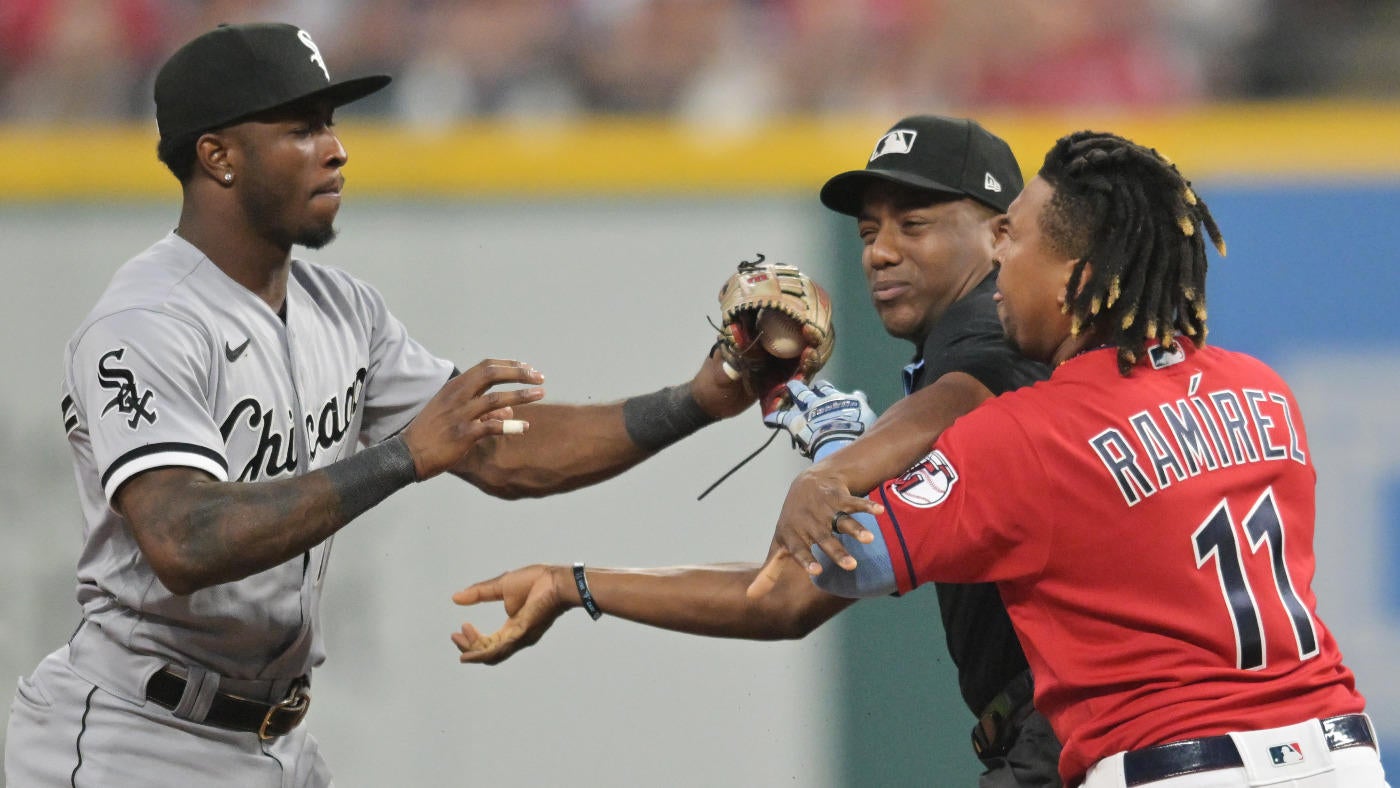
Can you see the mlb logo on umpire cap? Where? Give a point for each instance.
(235, 71)
(954, 157)
(897, 141)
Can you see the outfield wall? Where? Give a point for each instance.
(551, 245)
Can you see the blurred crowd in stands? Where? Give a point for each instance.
(726, 60)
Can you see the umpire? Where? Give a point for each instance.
(931, 160)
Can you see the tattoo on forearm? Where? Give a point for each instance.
(218, 532)
(234, 529)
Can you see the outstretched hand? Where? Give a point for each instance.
(821, 419)
(532, 602)
(813, 513)
(466, 410)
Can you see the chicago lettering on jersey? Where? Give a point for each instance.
(275, 455)
(333, 422)
(1200, 432)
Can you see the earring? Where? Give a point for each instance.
(228, 177)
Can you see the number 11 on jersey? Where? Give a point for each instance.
(1217, 539)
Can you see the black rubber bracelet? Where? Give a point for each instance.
(659, 419)
(581, 582)
(371, 475)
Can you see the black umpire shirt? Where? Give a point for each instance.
(969, 339)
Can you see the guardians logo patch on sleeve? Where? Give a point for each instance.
(927, 483)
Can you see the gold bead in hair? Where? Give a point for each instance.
(1115, 290)
(1187, 226)
(1094, 305)
(1189, 195)
(1128, 320)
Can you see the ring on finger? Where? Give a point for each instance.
(836, 518)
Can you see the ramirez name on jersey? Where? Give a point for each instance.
(1197, 433)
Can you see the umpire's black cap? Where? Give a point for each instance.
(235, 71)
(953, 156)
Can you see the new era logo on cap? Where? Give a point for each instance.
(991, 184)
(897, 141)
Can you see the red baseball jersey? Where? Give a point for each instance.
(1152, 537)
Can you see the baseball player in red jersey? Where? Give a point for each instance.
(1147, 512)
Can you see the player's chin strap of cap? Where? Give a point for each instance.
(234, 712)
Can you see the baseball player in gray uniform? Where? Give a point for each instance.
(230, 408)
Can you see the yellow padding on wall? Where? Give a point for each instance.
(601, 156)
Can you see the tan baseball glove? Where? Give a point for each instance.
(775, 326)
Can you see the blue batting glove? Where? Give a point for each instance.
(822, 419)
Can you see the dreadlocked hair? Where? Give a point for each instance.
(1134, 223)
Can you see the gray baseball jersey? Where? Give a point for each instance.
(179, 365)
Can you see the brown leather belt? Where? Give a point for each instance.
(1218, 752)
(236, 713)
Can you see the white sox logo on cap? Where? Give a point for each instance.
(316, 58)
(928, 483)
(897, 141)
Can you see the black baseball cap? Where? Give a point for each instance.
(953, 156)
(235, 71)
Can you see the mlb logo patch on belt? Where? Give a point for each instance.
(1286, 754)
